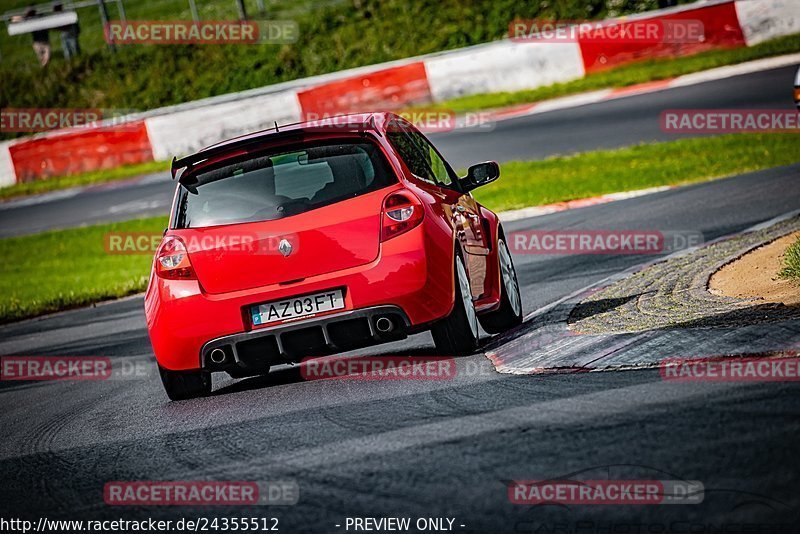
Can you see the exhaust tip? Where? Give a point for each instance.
(217, 356)
(384, 325)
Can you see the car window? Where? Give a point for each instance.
(437, 164)
(412, 156)
(280, 185)
(420, 156)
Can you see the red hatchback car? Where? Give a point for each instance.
(322, 237)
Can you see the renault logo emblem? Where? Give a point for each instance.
(285, 247)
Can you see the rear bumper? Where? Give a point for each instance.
(411, 274)
(255, 351)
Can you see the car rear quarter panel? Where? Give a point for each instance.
(491, 294)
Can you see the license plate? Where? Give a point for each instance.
(295, 307)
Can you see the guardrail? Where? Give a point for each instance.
(502, 65)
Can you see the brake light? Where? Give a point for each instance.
(402, 211)
(172, 260)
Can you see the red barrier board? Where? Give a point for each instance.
(720, 29)
(81, 150)
(377, 91)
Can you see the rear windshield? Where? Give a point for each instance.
(282, 184)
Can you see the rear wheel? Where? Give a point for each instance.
(509, 314)
(458, 332)
(181, 385)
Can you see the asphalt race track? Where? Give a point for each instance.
(422, 448)
(611, 124)
(425, 448)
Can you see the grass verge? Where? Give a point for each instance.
(87, 178)
(646, 71)
(791, 262)
(531, 183)
(68, 268)
(63, 269)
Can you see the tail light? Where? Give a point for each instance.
(402, 211)
(172, 260)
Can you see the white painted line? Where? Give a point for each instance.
(638, 192)
(139, 206)
(571, 101)
(538, 211)
(771, 222)
(594, 97)
(155, 178)
(720, 73)
(40, 199)
(525, 213)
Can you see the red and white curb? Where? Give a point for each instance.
(544, 343)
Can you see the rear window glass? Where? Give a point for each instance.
(280, 185)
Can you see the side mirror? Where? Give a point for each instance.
(480, 174)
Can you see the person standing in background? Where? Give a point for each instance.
(41, 40)
(69, 36)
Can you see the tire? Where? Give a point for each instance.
(509, 314)
(458, 332)
(182, 385)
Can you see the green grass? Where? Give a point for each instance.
(791, 262)
(87, 178)
(68, 268)
(18, 48)
(531, 183)
(647, 71)
(334, 35)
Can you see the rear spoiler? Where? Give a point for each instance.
(208, 153)
(249, 143)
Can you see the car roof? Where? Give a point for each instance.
(347, 123)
